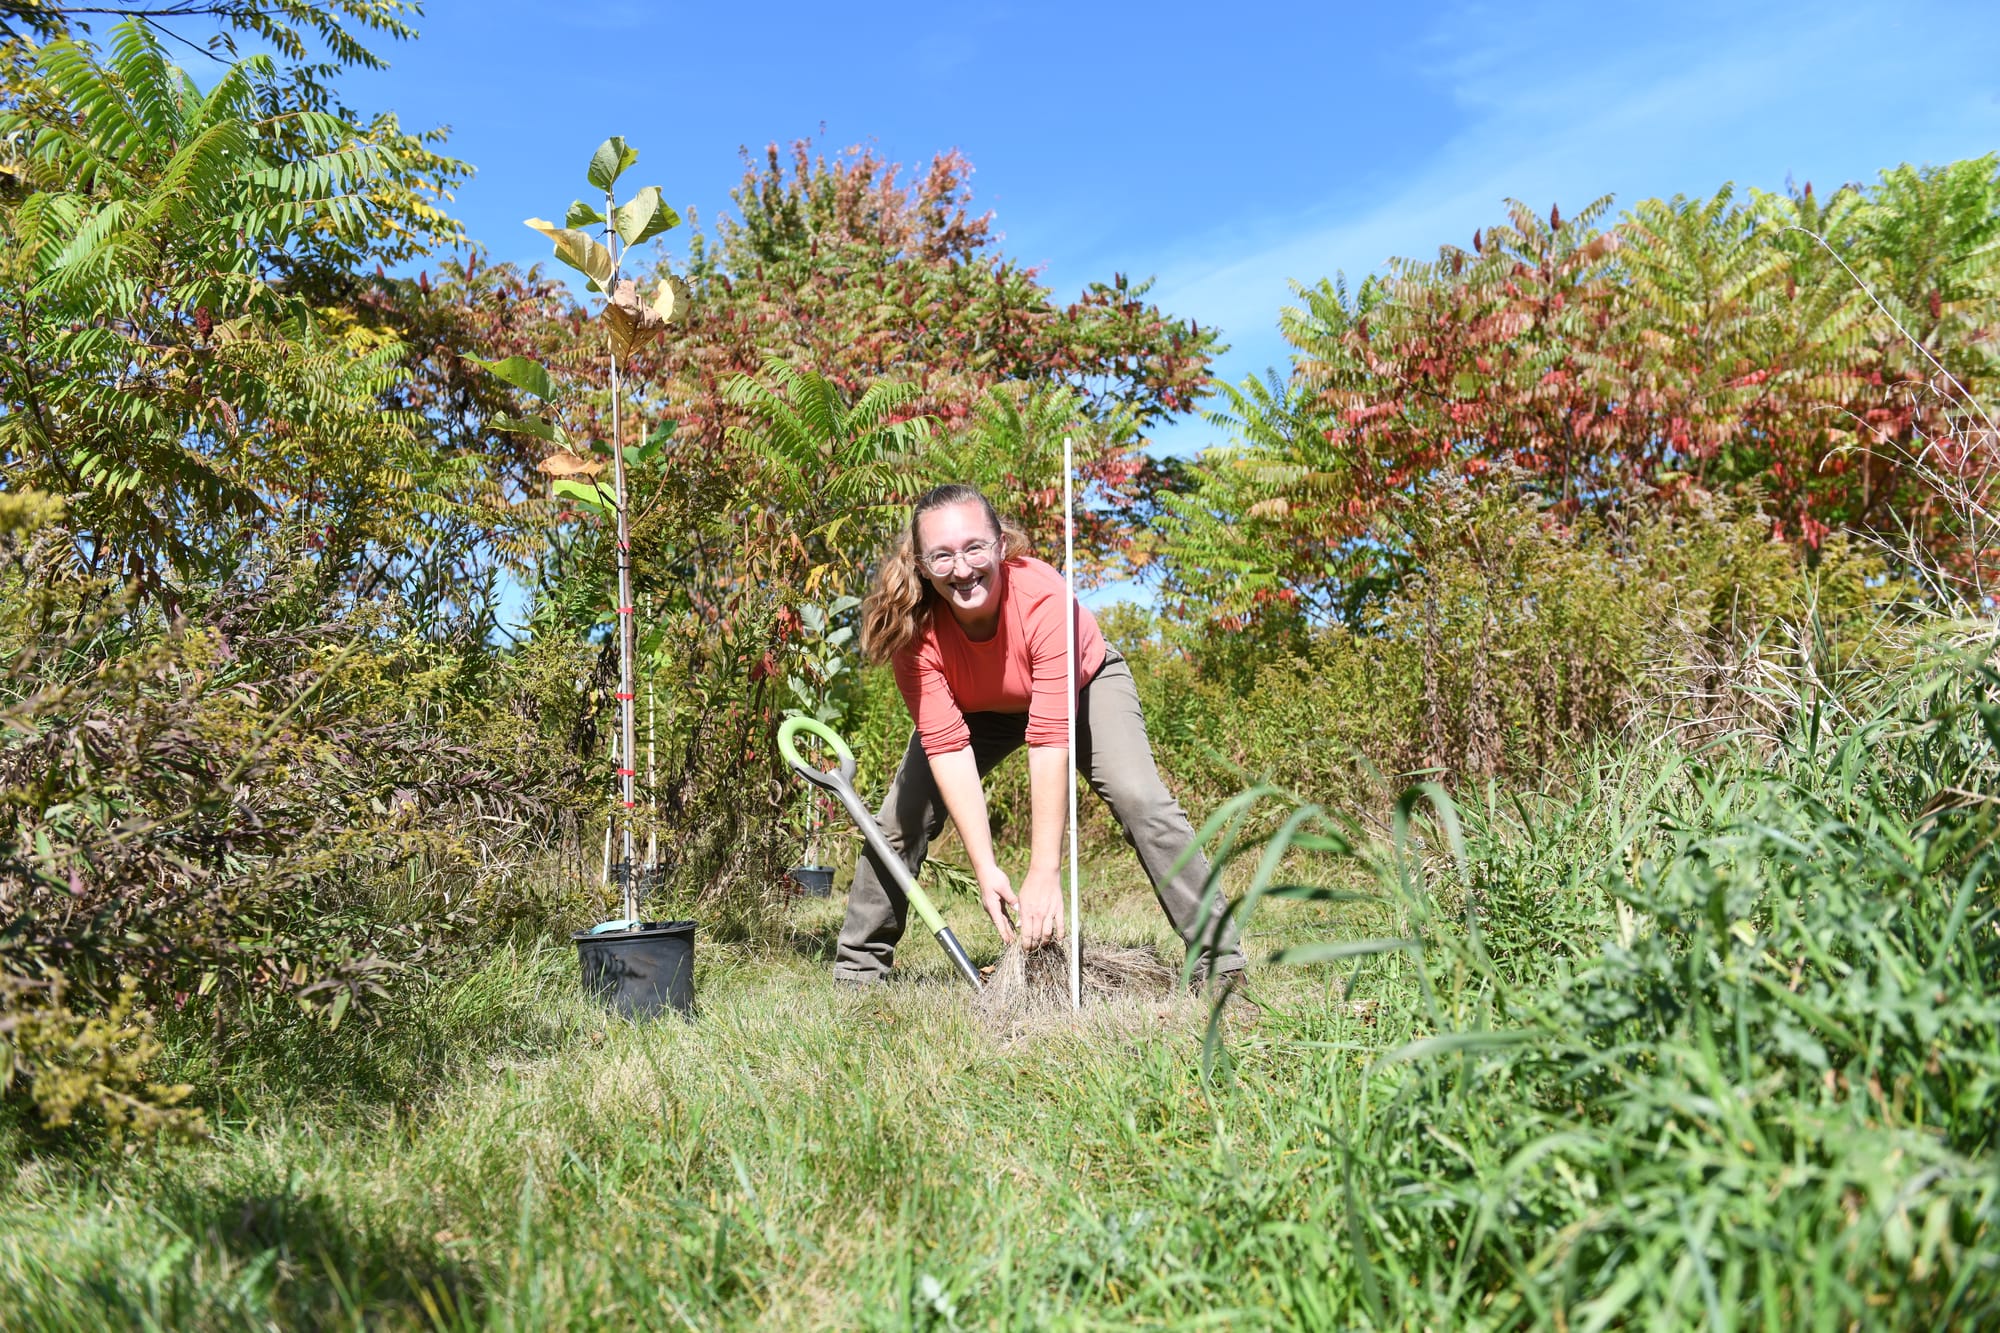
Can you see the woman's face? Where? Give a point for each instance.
(949, 530)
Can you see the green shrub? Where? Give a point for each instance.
(1714, 1038)
(266, 819)
(1519, 643)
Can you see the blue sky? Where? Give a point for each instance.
(1223, 148)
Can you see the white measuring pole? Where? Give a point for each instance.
(1069, 673)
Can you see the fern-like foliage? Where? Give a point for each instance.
(290, 28)
(158, 364)
(825, 465)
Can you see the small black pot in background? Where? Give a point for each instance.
(813, 881)
(642, 972)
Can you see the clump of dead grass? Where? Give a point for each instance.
(1029, 989)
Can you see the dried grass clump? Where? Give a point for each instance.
(1030, 987)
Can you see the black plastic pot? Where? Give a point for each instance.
(813, 881)
(642, 972)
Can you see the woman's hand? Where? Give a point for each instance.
(996, 895)
(1041, 907)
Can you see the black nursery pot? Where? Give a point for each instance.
(813, 881)
(642, 972)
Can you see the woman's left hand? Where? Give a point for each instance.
(1041, 908)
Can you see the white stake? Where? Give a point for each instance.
(1069, 669)
(609, 822)
(652, 779)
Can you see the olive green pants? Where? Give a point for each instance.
(1113, 754)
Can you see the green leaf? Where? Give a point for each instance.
(608, 163)
(523, 374)
(644, 216)
(582, 215)
(632, 217)
(539, 427)
(1452, 1042)
(588, 496)
(579, 251)
(1328, 951)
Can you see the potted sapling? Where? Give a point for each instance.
(638, 967)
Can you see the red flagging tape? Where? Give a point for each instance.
(627, 772)
(624, 610)
(623, 695)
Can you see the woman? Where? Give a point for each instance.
(973, 627)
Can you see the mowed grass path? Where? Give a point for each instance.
(802, 1156)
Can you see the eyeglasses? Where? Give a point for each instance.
(976, 555)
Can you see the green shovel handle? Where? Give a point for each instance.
(787, 747)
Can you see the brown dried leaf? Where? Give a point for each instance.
(632, 325)
(569, 465)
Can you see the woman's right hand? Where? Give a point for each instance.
(996, 895)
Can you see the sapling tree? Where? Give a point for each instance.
(823, 684)
(595, 241)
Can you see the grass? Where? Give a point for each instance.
(802, 1156)
(1698, 1039)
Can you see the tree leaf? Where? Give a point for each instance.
(523, 374)
(579, 251)
(539, 427)
(632, 325)
(655, 442)
(672, 300)
(567, 464)
(644, 216)
(588, 496)
(608, 163)
(582, 215)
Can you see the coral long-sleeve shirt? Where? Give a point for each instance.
(944, 675)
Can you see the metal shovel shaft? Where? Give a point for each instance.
(887, 861)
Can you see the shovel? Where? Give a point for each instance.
(841, 784)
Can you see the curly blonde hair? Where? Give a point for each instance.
(899, 602)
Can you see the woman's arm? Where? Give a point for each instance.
(957, 776)
(1041, 889)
